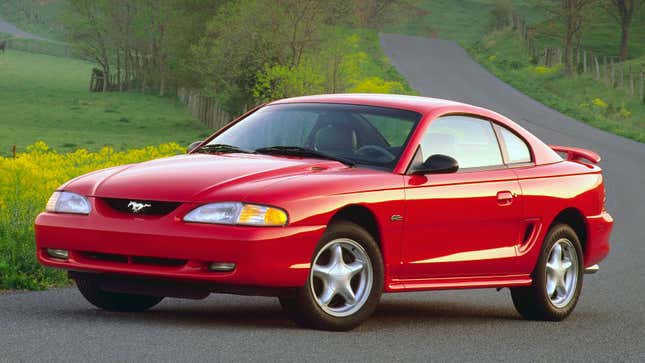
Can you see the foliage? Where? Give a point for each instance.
(21, 199)
(580, 96)
(501, 13)
(36, 16)
(337, 68)
(139, 44)
(46, 98)
(377, 85)
(262, 50)
(623, 13)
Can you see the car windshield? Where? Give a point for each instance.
(354, 134)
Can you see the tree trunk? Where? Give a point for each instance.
(568, 54)
(624, 39)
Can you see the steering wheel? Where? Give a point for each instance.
(375, 152)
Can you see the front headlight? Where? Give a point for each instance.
(238, 213)
(68, 202)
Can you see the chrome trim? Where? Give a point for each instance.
(592, 269)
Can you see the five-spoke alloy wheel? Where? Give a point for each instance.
(345, 280)
(341, 277)
(557, 278)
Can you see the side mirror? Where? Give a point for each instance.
(193, 146)
(438, 164)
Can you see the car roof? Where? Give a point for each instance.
(412, 103)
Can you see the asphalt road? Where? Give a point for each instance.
(481, 325)
(9, 28)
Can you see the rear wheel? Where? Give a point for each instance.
(90, 289)
(557, 278)
(345, 281)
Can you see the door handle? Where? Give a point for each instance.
(505, 197)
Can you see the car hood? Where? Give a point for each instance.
(194, 178)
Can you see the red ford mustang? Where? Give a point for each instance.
(329, 201)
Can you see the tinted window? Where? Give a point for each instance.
(516, 148)
(366, 135)
(471, 141)
(391, 129)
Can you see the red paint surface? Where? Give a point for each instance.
(460, 230)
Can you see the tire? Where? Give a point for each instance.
(551, 297)
(111, 301)
(325, 302)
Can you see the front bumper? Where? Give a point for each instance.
(597, 244)
(167, 247)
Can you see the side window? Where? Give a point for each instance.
(516, 148)
(471, 141)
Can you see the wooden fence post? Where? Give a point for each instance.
(642, 96)
(584, 61)
(597, 68)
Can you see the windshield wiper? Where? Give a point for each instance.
(301, 151)
(223, 148)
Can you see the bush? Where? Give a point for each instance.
(377, 85)
(26, 183)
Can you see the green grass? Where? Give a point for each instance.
(502, 52)
(460, 20)
(601, 33)
(40, 17)
(580, 97)
(47, 98)
(377, 64)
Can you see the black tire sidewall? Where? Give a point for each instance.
(308, 311)
(542, 307)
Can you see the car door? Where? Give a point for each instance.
(464, 223)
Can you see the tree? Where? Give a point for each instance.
(623, 12)
(571, 13)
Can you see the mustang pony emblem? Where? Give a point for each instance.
(137, 207)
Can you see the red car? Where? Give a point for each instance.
(329, 201)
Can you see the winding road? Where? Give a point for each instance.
(482, 325)
(11, 29)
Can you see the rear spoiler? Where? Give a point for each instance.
(577, 154)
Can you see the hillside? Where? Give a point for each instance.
(41, 17)
(46, 98)
(471, 23)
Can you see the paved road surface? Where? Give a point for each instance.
(608, 324)
(9, 28)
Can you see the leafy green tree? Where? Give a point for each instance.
(623, 12)
(572, 15)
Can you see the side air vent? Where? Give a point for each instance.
(528, 232)
(141, 207)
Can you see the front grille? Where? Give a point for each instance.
(141, 207)
(134, 260)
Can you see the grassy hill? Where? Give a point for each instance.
(41, 17)
(466, 21)
(580, 96)
(470, 22)
(47, 98)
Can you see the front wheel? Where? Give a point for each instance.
(557, 278)
(112, 301)
(345, 281)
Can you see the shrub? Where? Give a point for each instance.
(377, 85)
(26, 183)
